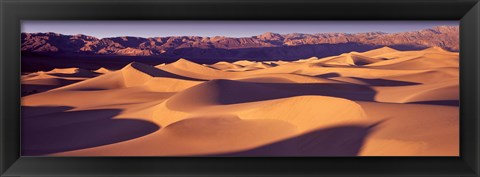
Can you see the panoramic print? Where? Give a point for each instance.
(240, 88)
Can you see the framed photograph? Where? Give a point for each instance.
(239, 88)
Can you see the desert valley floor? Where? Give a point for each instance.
(381, 102)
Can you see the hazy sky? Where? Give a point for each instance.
(101, 29)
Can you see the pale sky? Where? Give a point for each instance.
(102, 29)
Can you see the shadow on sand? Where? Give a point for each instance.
(334, 141)
(56, 129)
(439, 102)
(230, 91)
(371, 82)
(328, 75)
(155, 72)
(76, 75)
(385, 82)
(29, 89)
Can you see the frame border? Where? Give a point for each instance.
(13, 11)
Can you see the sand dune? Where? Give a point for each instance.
(377, 52)
(190, 69)
(382, 102)
(102, 70)
(351, 59)
(225, 66)
(43, 81)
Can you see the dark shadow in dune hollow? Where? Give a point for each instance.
(59, 130)
(334, 141)
(371, 82)
(76, 75)
(385, 82)
(328, 75)
(439, 102)
(32, 111)
(155, 72)
(90, 89)
(233, 92)
(28, 89)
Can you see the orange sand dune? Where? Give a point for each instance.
(382, 102)
(379, 51)
(102, 70)
(225, 66)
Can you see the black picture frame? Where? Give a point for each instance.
(13, 11)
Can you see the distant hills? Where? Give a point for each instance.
(267, 46)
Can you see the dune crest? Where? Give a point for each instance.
(102, 70)
(379, 51)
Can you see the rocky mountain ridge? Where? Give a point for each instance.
(267, 45)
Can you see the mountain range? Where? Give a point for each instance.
(267, 46)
